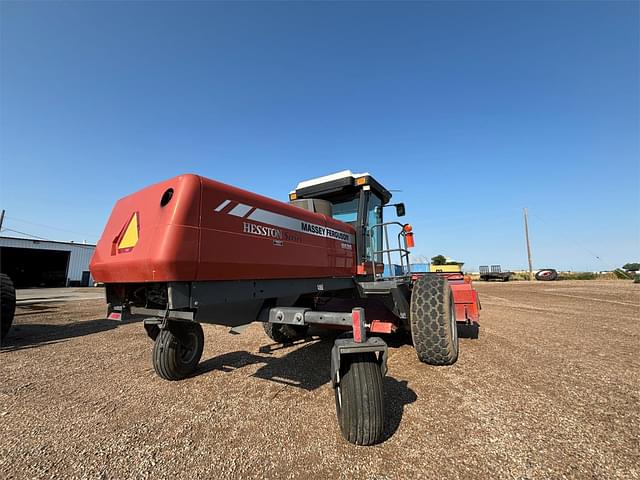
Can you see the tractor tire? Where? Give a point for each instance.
(7, 304)
(433, 321)
(359, 399)
(547, 275)
(177, 350)
(283, 333)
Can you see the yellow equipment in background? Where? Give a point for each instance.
(445, 268)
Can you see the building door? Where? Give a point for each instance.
(31, 267)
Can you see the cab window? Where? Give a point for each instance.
(346, 212)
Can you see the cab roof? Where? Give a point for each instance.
(338, 187)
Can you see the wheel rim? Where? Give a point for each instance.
(187, 348)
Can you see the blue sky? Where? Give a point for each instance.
(473, 110)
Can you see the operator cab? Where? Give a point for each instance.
(353, 198)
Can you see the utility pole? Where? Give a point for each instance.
(1, 218)
(526, 234)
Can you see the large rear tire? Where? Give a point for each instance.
(177, 350)
(7, 304)
(433, 321)
(359, 399)
(283, 333)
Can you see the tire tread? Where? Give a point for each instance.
(430, 312)
(361, 417)
(165, 356)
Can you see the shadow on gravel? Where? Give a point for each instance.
(308, 367)
(397, 394)
(35, 308)
(32, 335)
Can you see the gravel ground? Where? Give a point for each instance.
(31, 296)
(549, 390)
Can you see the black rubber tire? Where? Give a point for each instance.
(547, 275)
(177, 350)
(359, 399)
(433, 323)
(7, 304)
(282, 333)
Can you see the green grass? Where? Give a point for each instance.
(579, 276)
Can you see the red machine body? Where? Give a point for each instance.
(195, 230)
(465, 298)
(191, 250)
(190, 228)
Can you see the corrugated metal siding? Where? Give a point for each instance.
(78, 259)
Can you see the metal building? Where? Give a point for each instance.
(45, 263)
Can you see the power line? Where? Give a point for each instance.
(22, 233)
(19, 220)
(574, 242)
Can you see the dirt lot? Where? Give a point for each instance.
(550, 390)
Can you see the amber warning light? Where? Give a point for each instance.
(408, 235)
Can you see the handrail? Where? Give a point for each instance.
(402, 250)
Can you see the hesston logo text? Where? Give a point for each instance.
(261, 230)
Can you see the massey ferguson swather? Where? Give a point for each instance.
(192, 250)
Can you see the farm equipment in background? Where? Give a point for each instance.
(494, 273)
(192, 250)
(448, 268)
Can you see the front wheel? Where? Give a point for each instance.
(177, 350)
(433, 321)
(359, 404)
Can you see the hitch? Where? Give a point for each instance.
(358, 343)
